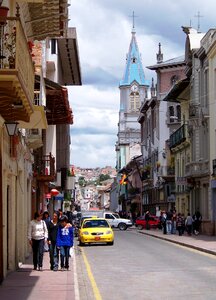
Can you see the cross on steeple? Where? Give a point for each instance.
(133, 16)
(198, 16)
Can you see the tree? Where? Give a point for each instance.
(102, 177)
(82, 181)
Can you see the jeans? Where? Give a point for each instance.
(169, 226)
(54, 256)
(173, 230)
(64, 255)
(38, 250)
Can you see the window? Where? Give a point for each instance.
(133, 60)
(53, 46)
(178, 112)
(108, 216)
(134, 102)
(171, 114)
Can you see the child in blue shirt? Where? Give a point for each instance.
(64, 241)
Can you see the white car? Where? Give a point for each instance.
(117, 222)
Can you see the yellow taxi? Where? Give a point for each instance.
(95, 230)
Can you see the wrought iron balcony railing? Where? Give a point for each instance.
(16, 68)
(44, 169)
(178, 137)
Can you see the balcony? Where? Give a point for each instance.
(178, 137)
(16, 72)
(197, 168)
(44, 169)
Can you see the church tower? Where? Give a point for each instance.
(133, 91)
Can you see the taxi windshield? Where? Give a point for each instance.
(95, 223)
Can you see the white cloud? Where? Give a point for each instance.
(104, 34)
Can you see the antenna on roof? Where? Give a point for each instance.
(198, 16)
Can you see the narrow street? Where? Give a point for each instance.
(143, 267)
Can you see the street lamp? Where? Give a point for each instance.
(11, 127)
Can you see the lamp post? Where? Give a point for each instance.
(11, 127)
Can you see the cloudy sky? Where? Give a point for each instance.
(104, 34)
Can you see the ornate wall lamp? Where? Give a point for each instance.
(11, 127)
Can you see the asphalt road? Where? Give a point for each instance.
(146, 268)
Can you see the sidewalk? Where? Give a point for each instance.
(26, 283)
(200, 242)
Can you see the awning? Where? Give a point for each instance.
(176, 90)
(58, 109)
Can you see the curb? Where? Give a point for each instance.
(180, 243)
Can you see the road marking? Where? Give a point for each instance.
(91, 277)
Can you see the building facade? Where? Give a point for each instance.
(36, 105)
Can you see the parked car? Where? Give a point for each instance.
(95, 230)
(154, 222)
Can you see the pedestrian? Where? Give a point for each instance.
(179, 224)
(37, 236)
(169, 222)
(64, 241)
(46, 219)
(197, 217)
(147, 218)
(163, 221)
(52, 235)
(174, 216)
(189, 224)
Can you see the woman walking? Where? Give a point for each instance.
(37, 236)
(64, 241)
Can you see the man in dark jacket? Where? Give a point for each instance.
(52, 235)
(147, 218)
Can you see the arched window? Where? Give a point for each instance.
(134, 102)
(178, 112)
